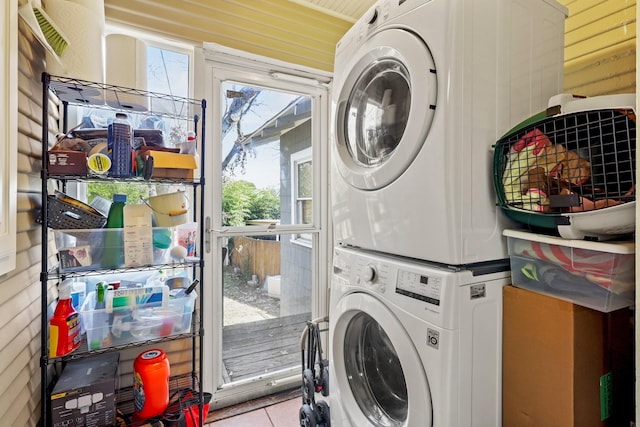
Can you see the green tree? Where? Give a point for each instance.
(265, 204)
(242, 201)
(236, 199)
(106, 190)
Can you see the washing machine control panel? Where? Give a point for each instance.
(379, 276)
(419, 286)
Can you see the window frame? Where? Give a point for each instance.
(9, 147)
(302, 156)
(153, 40)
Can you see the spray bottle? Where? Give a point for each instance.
(189, 146)
(64, 326)
(102, 335)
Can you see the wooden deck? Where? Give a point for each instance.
(255, 348)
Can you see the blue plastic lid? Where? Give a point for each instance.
(162, 238)
(120, 198)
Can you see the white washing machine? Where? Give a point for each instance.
(414, 345)
(422, 89)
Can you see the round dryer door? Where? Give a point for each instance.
(384, 109)
(375, 359)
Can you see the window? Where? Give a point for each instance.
(158, 66)
(302, 207)
(168, 71)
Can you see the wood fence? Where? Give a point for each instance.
(254, 256)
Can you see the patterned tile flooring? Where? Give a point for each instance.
(283, 414)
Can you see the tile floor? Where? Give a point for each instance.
(283, 414)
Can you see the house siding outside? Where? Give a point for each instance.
(296, 264)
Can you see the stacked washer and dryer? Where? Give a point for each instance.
(422, 89)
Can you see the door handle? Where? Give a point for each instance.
(207, 234)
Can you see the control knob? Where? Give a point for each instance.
(369, 273)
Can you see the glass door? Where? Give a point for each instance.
(266, 183)
(267, 233)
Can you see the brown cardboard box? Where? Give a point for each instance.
(67, 162)
(555, 355)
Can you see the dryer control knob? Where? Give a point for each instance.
(369, 273)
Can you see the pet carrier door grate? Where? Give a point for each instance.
(551, 170)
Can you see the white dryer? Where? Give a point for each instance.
(414, 345)
(422, 89)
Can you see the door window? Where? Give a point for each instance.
(374, 372)
(377, 112)
(269, 244)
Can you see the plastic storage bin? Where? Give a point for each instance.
(105, 328)
(597, 275)
(80, 250)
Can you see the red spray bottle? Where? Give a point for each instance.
(64, 326)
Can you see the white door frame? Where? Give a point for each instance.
(213, 64)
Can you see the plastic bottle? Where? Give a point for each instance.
(161, 244)
(189, 146)
(113, 253)
(64, 326)
(151, 373)
(101, 295)
(120, 141)
(78, 292)
(101, 337)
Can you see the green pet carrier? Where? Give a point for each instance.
(571, 169)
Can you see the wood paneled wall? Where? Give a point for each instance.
(20, 289)
(600, 47)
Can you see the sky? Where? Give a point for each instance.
(263, 169)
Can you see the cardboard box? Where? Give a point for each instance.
(565, 365)
(171, 165)
(85, 394)
(67, 162)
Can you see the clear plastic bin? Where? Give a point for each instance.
(597, 275)
(83, 249)
(140, 323)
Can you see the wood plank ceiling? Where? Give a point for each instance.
(279, 29)
(599, 41)
(348, 10)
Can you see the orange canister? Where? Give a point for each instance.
(151, 383)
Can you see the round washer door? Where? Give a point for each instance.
(384, 109)
(380, 376)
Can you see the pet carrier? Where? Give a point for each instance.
(571, 169)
